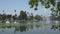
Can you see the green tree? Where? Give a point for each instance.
(55, 4)
(15, 16)
(0, 17)
(9, 17)
(46, 3)
(37, 17)
(4, 16)
(23, 15)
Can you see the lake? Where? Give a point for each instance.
(31, 28)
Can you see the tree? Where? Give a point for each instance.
(9, 17)
(37, 17)
(46, 3)
(55, 4)
(23, 15)
(31, 16)
(0, 17)
(4, 16)
(15, 12)
(3, 11)
(15, 16)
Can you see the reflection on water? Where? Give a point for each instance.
(29, 28)
(21, 28)
(55, 27)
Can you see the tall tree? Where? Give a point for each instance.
(15, 12)
(23, 15)
(9, 17)
(15, 16)
(4, 16)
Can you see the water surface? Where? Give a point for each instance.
(32, 29)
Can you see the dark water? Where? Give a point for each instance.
(33, 29)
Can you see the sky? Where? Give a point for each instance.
(10, 5)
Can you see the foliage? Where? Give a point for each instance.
(45, 3)
(23, 15)
(37, 17)
(55, 4)
(3, 16)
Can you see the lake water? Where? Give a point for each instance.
(33, 29)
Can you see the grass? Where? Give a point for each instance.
(17, 25)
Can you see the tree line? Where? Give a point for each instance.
(22, 16)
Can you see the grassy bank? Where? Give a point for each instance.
(18, 25)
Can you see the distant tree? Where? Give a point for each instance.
(23, 15)
(53, 17)
(15, 12)
(38, 17)
(0, 16)
(58, 18)
(9, 17)
(3, 11)
(14, 18)
(31, 16)
(4, 16)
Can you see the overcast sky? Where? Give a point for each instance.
(10, 5)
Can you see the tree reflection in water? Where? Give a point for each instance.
(21, 28)
(56, 26)
(25, 28)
